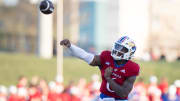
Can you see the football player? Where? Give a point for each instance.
(118, 71)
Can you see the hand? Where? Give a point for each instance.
(66, 43)
(108, 72)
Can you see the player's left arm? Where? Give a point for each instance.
(120, 90)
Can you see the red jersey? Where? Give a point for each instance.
(119, 74)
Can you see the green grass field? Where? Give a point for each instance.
(14, 65)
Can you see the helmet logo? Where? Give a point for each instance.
(131, 44)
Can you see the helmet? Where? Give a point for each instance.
(123, 49)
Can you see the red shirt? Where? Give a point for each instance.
(36, 95)
(13, 98)
(65, 97)
(178, 91)
(163, 86)
(22, 99)
(68, 97)
(119, 74)
(52, 96)
(75, 98)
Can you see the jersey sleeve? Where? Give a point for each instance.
(103, 56)
(134, 70)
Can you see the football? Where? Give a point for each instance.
(46, 7)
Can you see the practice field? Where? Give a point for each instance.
(14, 65)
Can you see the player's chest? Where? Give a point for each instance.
(118, 72)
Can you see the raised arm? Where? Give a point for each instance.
(91, 59)
(120, 90)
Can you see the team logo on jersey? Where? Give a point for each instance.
(123, 70)
(107, 63)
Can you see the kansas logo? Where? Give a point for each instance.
(131, 44)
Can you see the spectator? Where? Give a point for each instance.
(34, 93)
(53, 95)
(3, 93)
(94, 85)
(65, 96)
(163, 86)
(84, 91)
(74, 92)
(44, 89)
(177, 84)
(34, 80)
(71, 84)
(81, 87)
(172, 96)
(22, 82)
(139, 92)
(22, 94)
(56, 91)
(87, 96)
(13, 94)
(154, 92)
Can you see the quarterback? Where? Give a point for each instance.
(118, 72)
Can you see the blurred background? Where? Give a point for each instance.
(33, 69)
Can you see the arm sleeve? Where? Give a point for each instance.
(81, 54)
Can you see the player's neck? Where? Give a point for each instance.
(120, 62)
